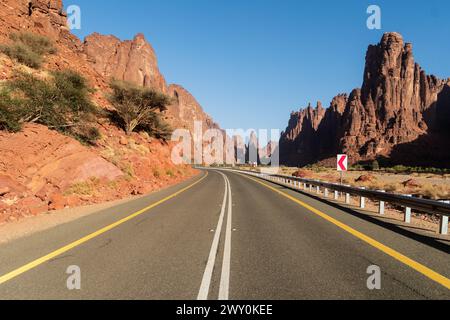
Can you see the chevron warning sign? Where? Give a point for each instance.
(342, 162)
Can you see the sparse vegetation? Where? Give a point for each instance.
(9, 112)
(128, 169)
(61, 103)
(170, 173)
(28, 48)
(138, 109)
(81, 188)
(156, 173)
(409, 170)
(375, 166)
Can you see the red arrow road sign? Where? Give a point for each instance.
(342, 162)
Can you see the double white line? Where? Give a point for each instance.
(225, 276)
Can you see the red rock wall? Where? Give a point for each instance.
(394, 114)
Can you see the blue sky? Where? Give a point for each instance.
(251, 62)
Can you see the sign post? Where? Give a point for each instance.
(342, 164)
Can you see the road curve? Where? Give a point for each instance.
(219, 236)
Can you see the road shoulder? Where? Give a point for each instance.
(26, 227)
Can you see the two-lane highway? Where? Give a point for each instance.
(223, 235)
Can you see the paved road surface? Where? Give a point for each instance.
(222, 236)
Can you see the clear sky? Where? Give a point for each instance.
(251, 62)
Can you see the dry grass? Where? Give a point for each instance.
(157, 173)
(169, 173)
(84, 188)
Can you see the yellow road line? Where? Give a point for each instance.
(37, 262)
(433, 275)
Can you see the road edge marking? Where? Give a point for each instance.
(224, 287)
(33, 264)
(424, 270)
(207, 275)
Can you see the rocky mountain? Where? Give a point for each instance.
(185, 109)
(132, 60)
(135, 61)
(399, 116)
(41, 169)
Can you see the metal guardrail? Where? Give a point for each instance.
(408, 202)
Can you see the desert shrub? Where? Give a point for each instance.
(61, 103)
(128, 169)
(84, 188)
(22, 54)
(157, 127)
(37, 43)
(156, 173)
(28, 48)
(375, 166)
(10, 112)
(137, 108)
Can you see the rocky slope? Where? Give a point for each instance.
(43, 170)
(398, 116)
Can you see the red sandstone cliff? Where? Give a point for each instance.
(41, 169)
(133, 60)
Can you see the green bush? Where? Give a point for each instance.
(61, 103)
(157, 127)
(138, 108)
(10, 112)
(28, 48)
(375, 166)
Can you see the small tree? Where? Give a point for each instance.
(375, 165)
(137, 106)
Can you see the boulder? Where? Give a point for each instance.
(411, 183)
(366, 178)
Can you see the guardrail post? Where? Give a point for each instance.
(381, 206)
(362, 201)
(443, 223)
(305, 186)
(325, 193)
(310, 187)
(408, 212)
(317, 189)
(336, 195)
(443, 228)
(347, 198)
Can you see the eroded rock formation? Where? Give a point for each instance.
(397, 107)
(132, 60)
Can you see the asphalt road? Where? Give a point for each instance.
(223, 236)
